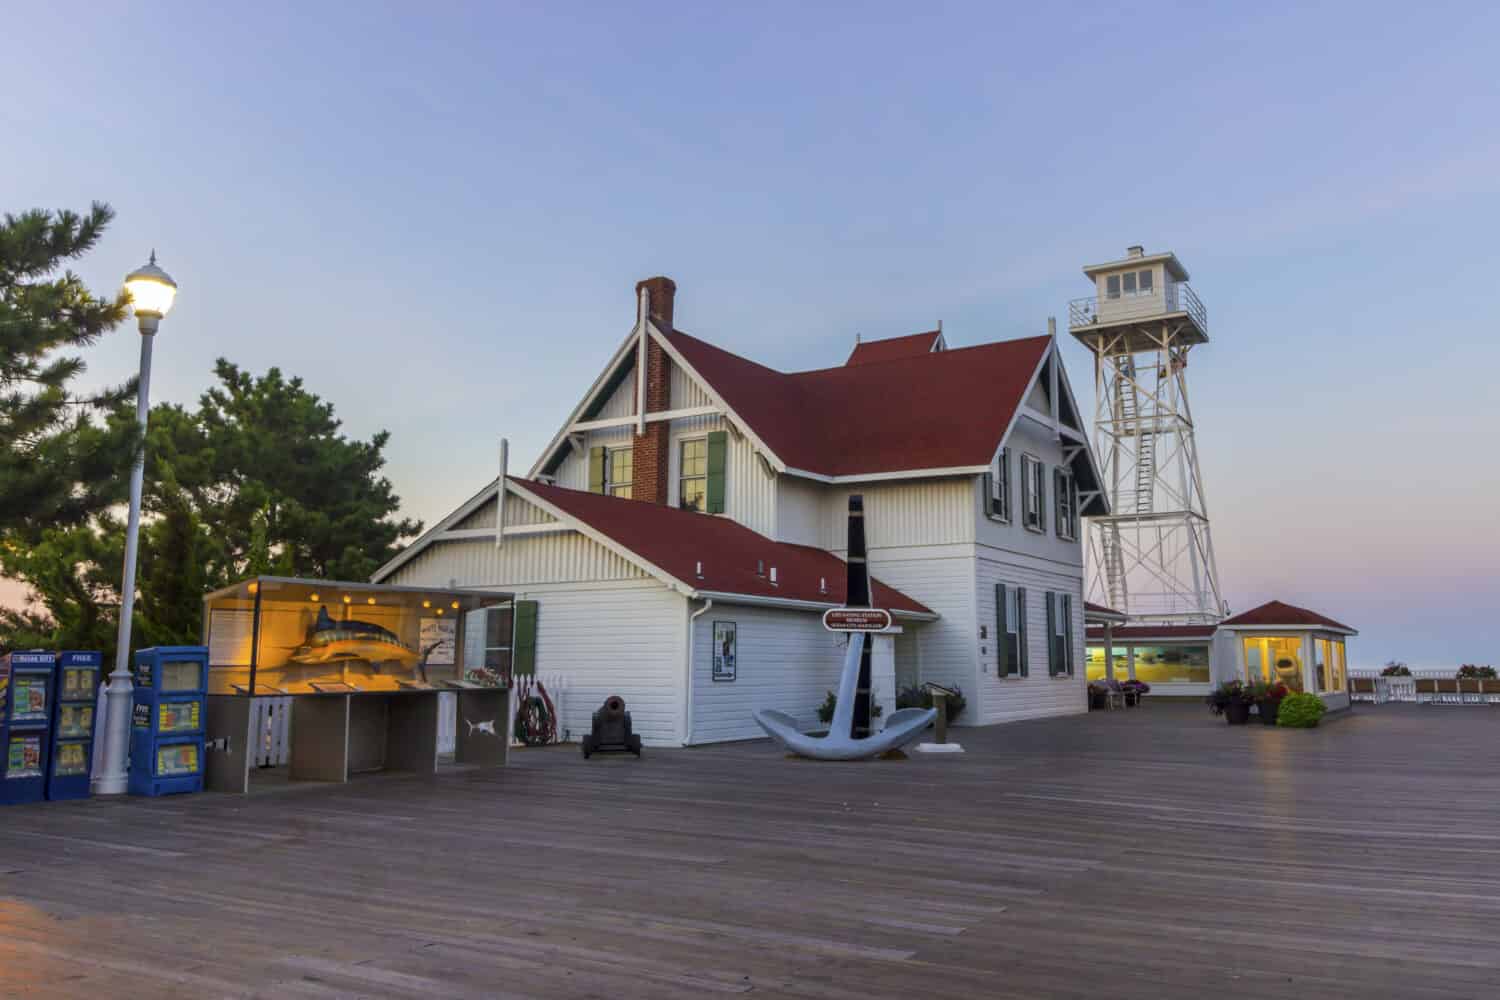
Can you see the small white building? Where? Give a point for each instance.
(1273, 642)
(680, 536)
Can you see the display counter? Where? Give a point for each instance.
(359, 668)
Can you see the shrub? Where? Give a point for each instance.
(920, 697)
(1395, 668)
(1301, 710)
(1470, 672)
(825, 710)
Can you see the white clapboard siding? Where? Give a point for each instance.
(787, 661)
(523, 559)
(686, 392)
(517, 511)
(943, 580)
(905, 513)
(1037, 695)
(624, 640)
(749, 489)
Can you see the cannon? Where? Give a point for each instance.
(611, 733)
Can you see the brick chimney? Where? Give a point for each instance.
(652, 449)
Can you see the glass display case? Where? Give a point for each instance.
(279, 636)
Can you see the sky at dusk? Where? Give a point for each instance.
(436, 215)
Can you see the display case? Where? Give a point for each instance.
(356, 668)
(166, 725)
(276, 635)
(26, 686)
(76, 696)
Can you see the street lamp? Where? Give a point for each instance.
(151, 291)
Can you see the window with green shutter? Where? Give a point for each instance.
(596, 469)
(718, 462)
(523, 657)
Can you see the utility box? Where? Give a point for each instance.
(166, 725)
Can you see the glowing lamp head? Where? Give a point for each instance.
(152, 292)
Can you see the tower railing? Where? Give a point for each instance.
(1174, 298)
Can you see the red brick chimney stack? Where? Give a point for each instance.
(652, 448)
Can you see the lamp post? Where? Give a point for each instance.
(151, 292)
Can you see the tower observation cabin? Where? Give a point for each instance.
(1152, 556)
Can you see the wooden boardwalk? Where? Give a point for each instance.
(1141, 854)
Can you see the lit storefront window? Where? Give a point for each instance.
(1272, 658)
(1094, 668)
(1171, 664)
(1330, 665)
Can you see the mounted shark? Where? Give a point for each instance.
(849, 736)
(331, 641)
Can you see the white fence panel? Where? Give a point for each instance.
(447, 722)
(271, 728)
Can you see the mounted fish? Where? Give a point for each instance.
(849, 735)
(331, 641)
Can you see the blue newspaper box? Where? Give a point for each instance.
(25, 724)
(166, 725)
(75, 696)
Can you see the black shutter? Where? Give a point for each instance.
(987, 483)
(1005, 483)
(1067, 610)
(1054, 667)
(1060, 525)
(1003, 662)
(1040, 472)
(1025, 653)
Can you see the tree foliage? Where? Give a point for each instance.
(258, 478)
(57, 465)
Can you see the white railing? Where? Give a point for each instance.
(1174, 298)
(271, 729)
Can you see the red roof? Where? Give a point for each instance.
(1156, 632)
(676, 541)
(1278, 613)
(929, 411)
(1090, 608)
(868, 352)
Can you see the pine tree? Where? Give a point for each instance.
(58, 466)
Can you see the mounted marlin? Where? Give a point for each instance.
(849, 736)
(332, 641)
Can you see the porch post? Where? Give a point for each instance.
(1109, 650)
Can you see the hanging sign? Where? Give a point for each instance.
(856, 619)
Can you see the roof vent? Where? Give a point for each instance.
(1135, 251)
(773, 576)
(760, 568)
(822, 585)
(699, 570)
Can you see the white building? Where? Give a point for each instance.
(681, 534)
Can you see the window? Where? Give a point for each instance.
(997, 492)
(1031, 475)
(1060, 635)
(1010, 631)
(1128, 281)
(1095, 667)
(692, 482)
(1112, 286)
(1172, 664)
(1273, 658)
(619, 471)
(1145, 283)
(1130, 284)
(1067, 504)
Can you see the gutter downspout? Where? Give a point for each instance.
(687, 714)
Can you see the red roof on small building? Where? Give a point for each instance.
(1090, 608)
(676, 541)
(868, 352)
(1279, 613)
(933, 410)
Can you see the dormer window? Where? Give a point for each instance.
(619, 472)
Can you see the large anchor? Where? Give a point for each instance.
(849, 735)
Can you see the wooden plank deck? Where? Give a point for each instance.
(1140, 854)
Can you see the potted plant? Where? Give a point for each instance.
(1395, 668)
(825, 710)
(1470, 672)
(1301, 710)
(1232, 700)
(1099, 692)
(1134, 690)
(1267, 698)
